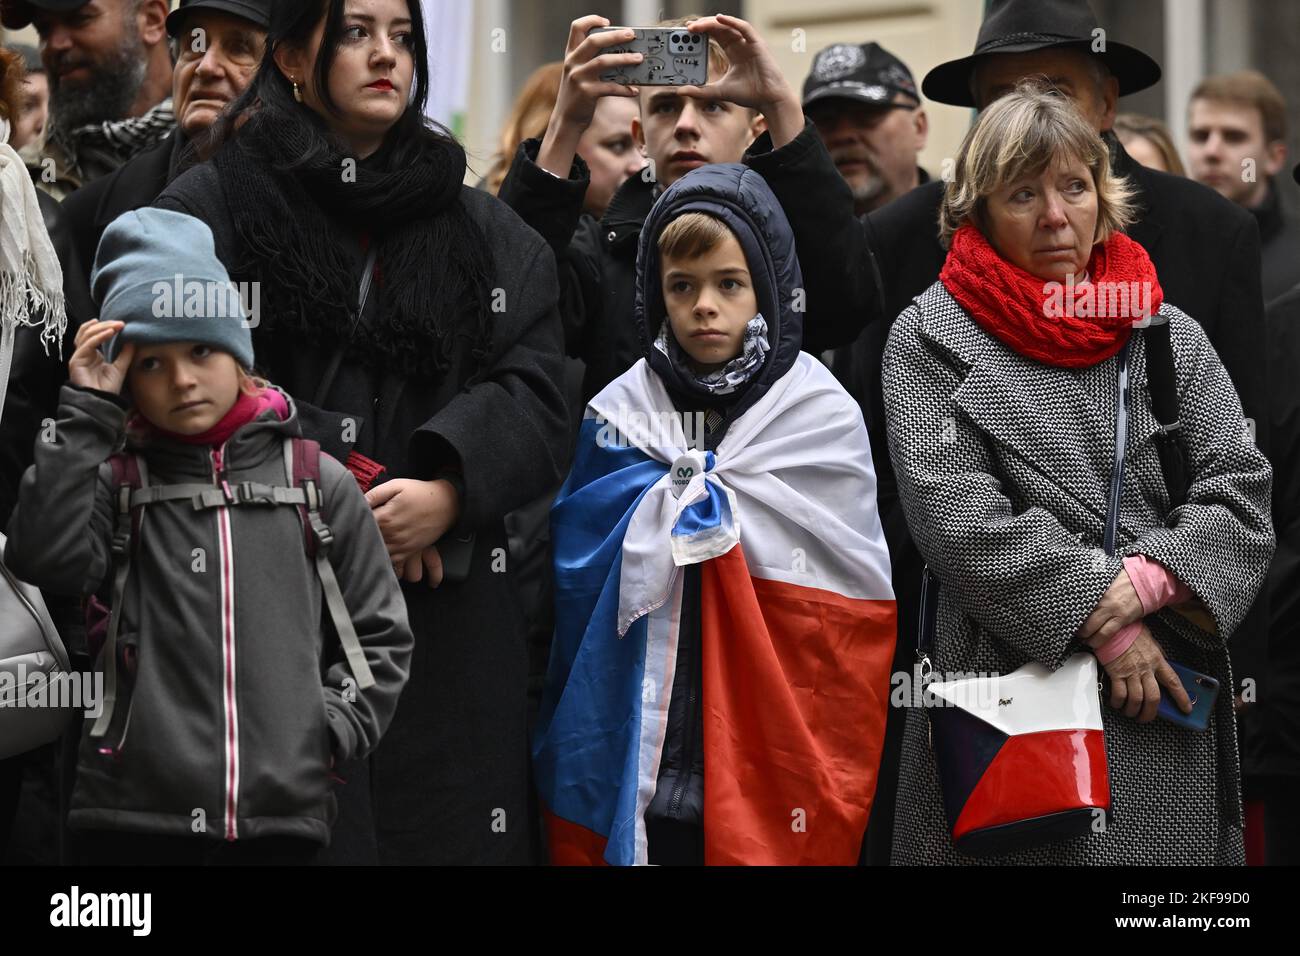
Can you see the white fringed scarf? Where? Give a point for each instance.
(31, 280)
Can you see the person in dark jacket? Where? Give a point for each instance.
(681, 128)
(711, 699)
(868, 111)
(446, 384)
(1278, 692)
(1205, 249)
(1236, 145)
(204, 744)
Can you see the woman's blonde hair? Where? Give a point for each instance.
(1019, 135)
(250, 383)
(528, 119)
(1129, 125)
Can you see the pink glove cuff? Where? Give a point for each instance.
(1118, 644)
(1155, 584)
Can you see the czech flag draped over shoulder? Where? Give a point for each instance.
(798, 625)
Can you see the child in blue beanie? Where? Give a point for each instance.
(223, 539)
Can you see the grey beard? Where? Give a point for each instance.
(869, 192)
(110, 93)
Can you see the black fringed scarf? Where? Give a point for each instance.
(432, 259)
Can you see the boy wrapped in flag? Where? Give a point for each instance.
(725, 623)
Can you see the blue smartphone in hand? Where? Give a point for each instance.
(1202, 690)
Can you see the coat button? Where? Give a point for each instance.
(612, 236)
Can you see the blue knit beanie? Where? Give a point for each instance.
(158, 272)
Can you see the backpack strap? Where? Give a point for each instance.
(304, 458)
(1163, 385)
(127, 480)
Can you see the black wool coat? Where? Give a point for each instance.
(449, 781)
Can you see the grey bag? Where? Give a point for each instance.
(34, 670)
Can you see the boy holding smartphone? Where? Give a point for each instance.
(680, 128)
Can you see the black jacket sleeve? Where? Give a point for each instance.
(61, 528)
(840, 278)
(553, 208)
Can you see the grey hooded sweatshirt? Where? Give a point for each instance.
(232, 692)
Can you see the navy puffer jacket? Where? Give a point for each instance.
(740, 198)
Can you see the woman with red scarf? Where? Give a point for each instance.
(1002, 393)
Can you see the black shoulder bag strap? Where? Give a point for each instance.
(336, 360)
(930, 583)
(1163, 383)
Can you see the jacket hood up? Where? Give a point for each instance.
(742, 199)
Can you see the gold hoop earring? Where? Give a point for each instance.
(297, 93)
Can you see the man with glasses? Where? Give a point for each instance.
(866, 108)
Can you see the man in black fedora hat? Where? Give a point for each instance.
(1206, 251)
(865, 105)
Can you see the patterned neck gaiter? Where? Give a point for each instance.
(735, 373)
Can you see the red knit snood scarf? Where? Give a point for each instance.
(1069, 326)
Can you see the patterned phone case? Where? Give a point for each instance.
(673, 57)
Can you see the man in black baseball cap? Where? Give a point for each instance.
(256, 12)
(16, 14)
(866, 108)
(110, 74)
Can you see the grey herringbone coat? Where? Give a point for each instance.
(1003, 466)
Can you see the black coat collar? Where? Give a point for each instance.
(627, 211)
(1148, 228)
(1269, 214)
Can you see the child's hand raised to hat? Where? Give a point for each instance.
(753, 79)
(88, 368)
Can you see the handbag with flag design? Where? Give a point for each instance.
(1021, 756)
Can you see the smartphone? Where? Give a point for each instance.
(1202, 691)
(456, 554)
(674, 56)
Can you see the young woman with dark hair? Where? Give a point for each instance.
(441, 393)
